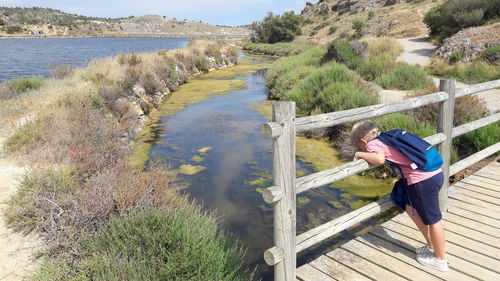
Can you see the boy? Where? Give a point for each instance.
(423, 192)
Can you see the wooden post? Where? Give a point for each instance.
(445, 126)
(284, 178)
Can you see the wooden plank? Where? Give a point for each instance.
(487, 175)
(337, 270)
(308, 273)
(284, 177)
(474, 208)
(476, 88)
(473, 224)
(481, 249)
(458, 195)
(472, 234)
(456, 255)
(492, 168)
(478, 189)
(489, 200)
(395, 248)
(363, 266)
(324, 231)
(386, 261)
(474, 216)
(474, 125)
(473, 179)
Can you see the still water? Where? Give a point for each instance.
(211, 124)
(35, 57)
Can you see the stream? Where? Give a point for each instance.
(209, 133)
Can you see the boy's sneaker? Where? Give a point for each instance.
(423, 250)
(432, 261)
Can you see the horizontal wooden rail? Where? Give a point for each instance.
(274, 129)
(474, 158)
(469, 127)
(324, 231)
(469, 90)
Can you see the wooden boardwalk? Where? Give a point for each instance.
(472, 226)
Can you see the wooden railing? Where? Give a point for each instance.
(283, 194)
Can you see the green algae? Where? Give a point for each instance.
(197, 159)
(258, 182)
(204, 149)
(188, 169)
(336, 204)
(303, 200)
(265, 108)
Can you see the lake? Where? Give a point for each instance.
(35, 57)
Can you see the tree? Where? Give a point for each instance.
(276, 28)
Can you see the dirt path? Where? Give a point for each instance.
(16, 249)
(419, 51)
(416, 51)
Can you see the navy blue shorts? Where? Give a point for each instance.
(424, 197)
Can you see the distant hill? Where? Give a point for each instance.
(17, 22)
(330, 19)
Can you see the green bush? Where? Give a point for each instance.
(377, 66)
(330, 88)
(471, 73)
(351, 53)
(288, 79)
(455, 15)
(11, 29)
(358, 27)
(2, 22)
(15, 87)
(405, 78)
(281, 67)
(162, 244)
(455, 57)
(479, 139)
(332, 29)
(202, 63)
(491, 54)
(276, 28)
(277, 49)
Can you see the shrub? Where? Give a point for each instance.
(479, 139)
(351, 53)
(151, 84)
(132, 59)
(455, 15)
(332, 29)
(202, 63)
(329, 88)
(474, 72)
(405, 78)
(18, 86)
(2, 22)
(491, 55)
(456, 56)
(276, 28)
(287, 80)
(358, 29)
(11, 29)
(377, 66)
(277, 49)
(63, 71)
(180, 245)
(371, 14)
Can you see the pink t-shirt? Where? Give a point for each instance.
(412, 175)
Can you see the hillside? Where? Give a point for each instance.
(330, 19)
(22, 22)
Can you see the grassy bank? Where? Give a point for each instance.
(101, 218)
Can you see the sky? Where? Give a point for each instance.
(222, 12)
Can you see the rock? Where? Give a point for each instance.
(469, 43)
(393, 23)
(138, 91)
(390, 2)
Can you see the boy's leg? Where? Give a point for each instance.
(421, 226)
(438, 240)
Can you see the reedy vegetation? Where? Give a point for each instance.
(89, 205)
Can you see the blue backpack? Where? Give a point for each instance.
(423, 155)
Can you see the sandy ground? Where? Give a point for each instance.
(16, 249)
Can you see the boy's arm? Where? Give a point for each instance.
(375, 158)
